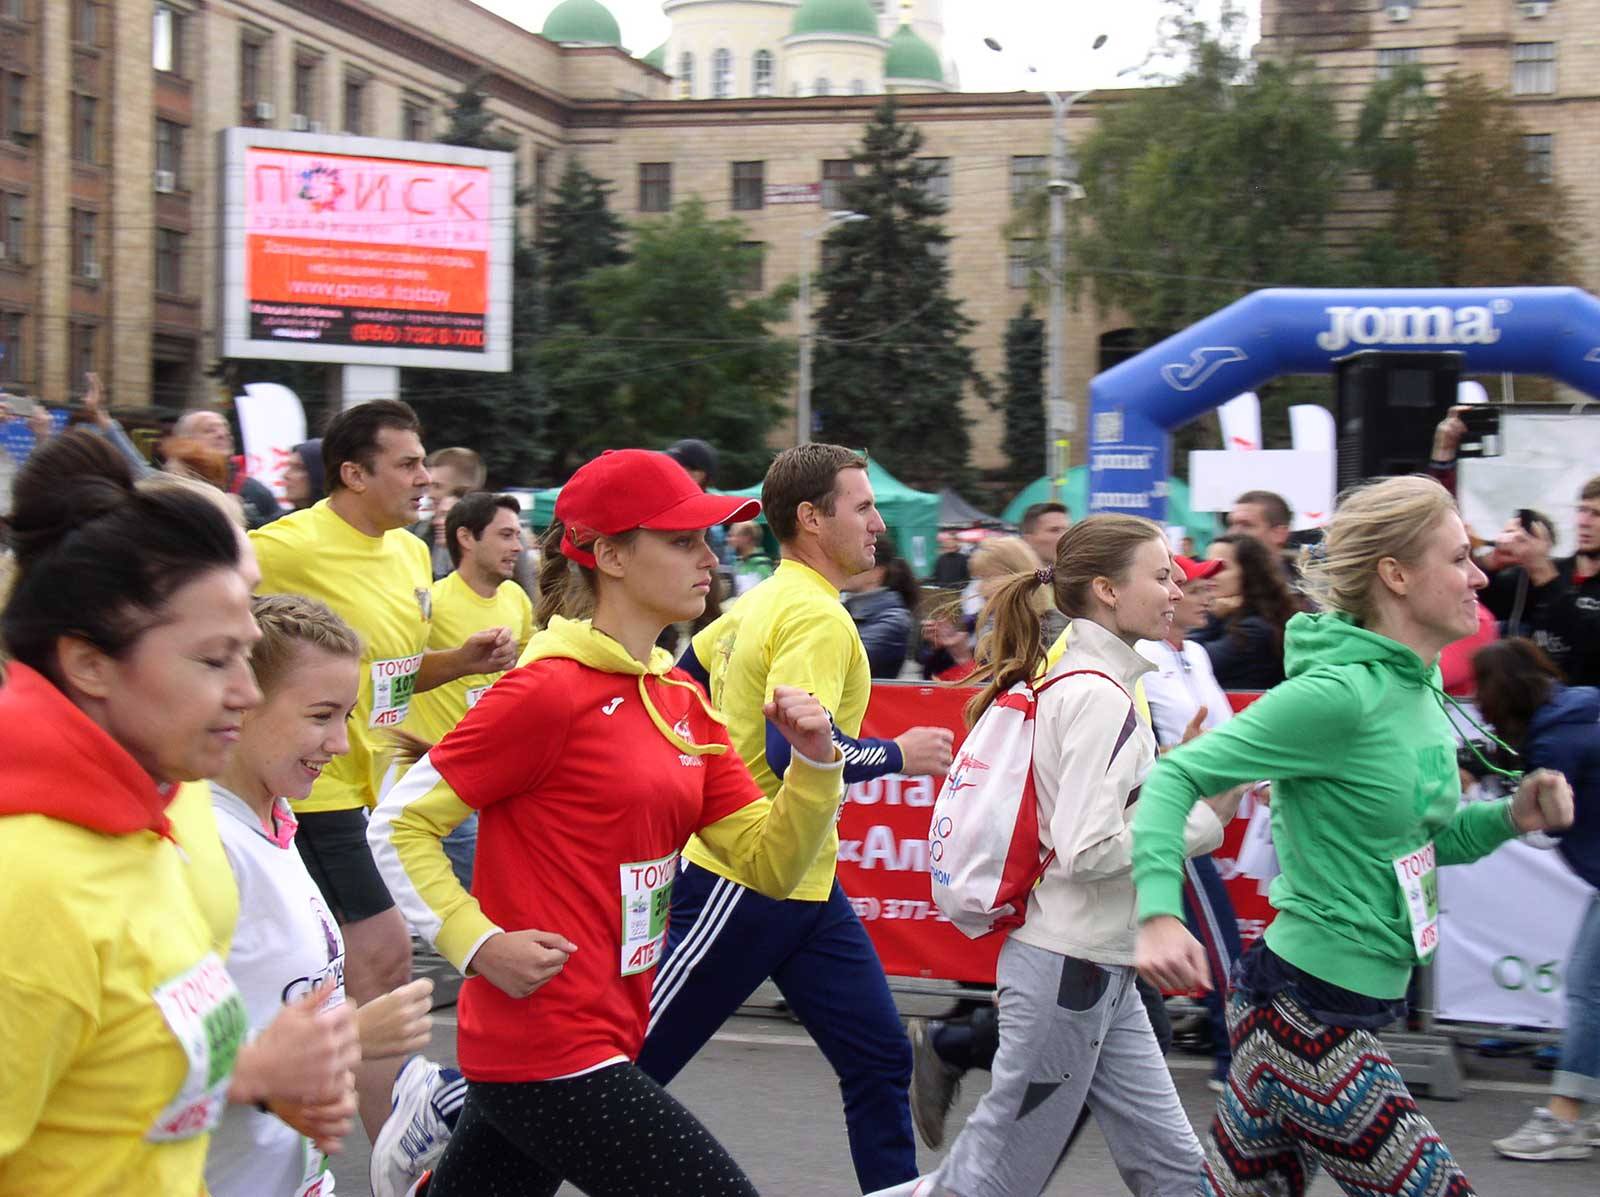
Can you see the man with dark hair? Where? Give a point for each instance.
(724, 939)
(697, 458)
(351, 552)
(1263, 515)
(1042, 526)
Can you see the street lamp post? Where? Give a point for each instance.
(802, 407)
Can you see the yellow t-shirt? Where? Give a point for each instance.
(790, 630)
(107, 969)
(194, 827)
(382, 586)
(458, 612)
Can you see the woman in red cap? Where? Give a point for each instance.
(591, 764)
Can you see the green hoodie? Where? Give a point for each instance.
(1362, 761)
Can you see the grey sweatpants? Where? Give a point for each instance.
(1070, 1032)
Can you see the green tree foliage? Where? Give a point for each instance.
(1467, 208)
(505, 417)
(679, 347)
(890, 368)
(579, 233)
(1023, 399)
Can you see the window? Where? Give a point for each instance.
(10, 346)
(85, 244)
(14, 98)
(416, 119)
(750, 278)
(938, 184)
(1533, 69)
(85, 128)
(836, 172)
(763, 73)
(86, 22)
(1019, 267)
(166, 41)
(355, 104)
(1028, 173)
(721, 74)
(821, 87)
(252, 72)
(1391, 60)
(1540, 148)
(169, 148)
(655, 186)
(13, 226)
(169, 261)
(306, 69)
(749, 186)
(81, 343)
(686, 76)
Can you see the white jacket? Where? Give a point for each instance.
(1091, 752)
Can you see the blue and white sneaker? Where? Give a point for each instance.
(417, 1130)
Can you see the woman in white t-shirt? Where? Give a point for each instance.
(287, 943)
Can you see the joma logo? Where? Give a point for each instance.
(1440, 325)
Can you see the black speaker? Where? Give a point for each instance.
(1389, 405)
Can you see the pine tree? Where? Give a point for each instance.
(890, 370)
(579, 234)
(506, 418)
(1023, 402)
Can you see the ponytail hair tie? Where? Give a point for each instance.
(1045, 576)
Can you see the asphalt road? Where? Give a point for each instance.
(767, 1093)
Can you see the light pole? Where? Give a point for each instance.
(802, 407)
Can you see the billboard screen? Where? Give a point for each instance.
(366, 251)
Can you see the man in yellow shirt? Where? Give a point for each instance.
(352, 552)
(484, 535)
(724, 938)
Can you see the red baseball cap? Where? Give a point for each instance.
(624, 489)
(1194, 570)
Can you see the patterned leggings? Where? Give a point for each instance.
(1303, 1095)
(612, 1133)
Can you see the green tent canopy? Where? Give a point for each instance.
(1074, 493)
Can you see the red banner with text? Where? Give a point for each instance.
(883, 852)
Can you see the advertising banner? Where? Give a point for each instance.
(272, 422)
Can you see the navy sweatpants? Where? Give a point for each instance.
(1209, 912)
(725, 939)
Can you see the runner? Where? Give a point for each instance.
(724, 940)
(1073, 1032)
(592, 764)
(286, 943)
(129, 633)
(351, 552)
(1365, 807)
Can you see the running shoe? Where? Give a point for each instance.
(414, 1135)
(934, 1084)
(1546, 1137)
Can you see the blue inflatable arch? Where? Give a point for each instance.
(1134, 406)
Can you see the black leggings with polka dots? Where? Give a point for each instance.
(611, 1133)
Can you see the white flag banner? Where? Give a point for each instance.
(271, 422)
(1241, 422)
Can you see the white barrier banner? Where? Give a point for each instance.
(1507, 923)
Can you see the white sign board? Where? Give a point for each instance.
(1545, 459)
(1303, 477)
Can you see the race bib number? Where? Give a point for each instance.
(475, 693)
(646, 902)
(207, 1017)
(393, 683)
(1418, 876)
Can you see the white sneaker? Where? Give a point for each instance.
(414, 1136)
(1546, 1137)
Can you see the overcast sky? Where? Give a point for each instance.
(1053, 36)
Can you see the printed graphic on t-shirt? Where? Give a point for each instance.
(394, 684)
(688, 760)
(333, 944)
(206, 1015)
(646, 902)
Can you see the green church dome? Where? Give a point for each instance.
(835, 16)
(657, 57)
(910, 57)
(584, 21)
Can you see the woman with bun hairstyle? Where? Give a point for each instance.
(1366, 807)
(592, 763)
(128, 635)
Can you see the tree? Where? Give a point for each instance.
(1469, 206)
(580, 234)
(507, 418)
(1023, 401)
(681, 346)
(890, 369)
